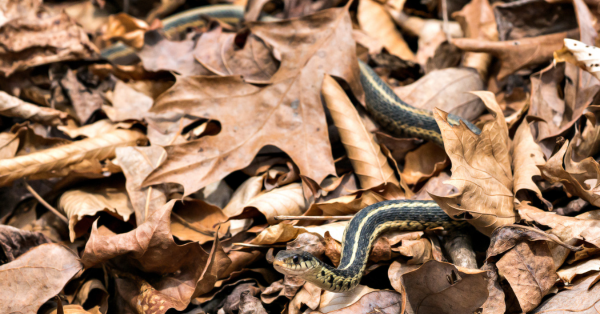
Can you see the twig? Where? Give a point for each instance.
(313, 217)
(445, 25)
(258, 245)
(188, 225)
(43, 202)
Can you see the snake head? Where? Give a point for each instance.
(294, 262)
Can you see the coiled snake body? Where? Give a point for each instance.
(393, 114)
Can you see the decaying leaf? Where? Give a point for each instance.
(438, 287)
(480, 170)
(36, 276)
(568, 273)
(582, 298)
(14, 107)
(43, 163)
(526, 157)
(29, 42)
(279, 116)
(369, 163)
(14, 242)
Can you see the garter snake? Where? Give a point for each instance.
(393, 114)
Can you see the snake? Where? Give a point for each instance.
(393, 114)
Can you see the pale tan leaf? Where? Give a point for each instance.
(287, 200)
(309, 295)
(14, 107)
(568, 273)
(127, 104)
(197, 221)
(283, 232)
(137, 163)
(92, 130)
(586, 57)
(583, 298)
(46, 161)
(331, 301)
(381, 302)
(89, 201)
(527, 155)
(244, 193)
(480, 170)
(377, 23)
(124, 27)
(35, 277)
(369, 163)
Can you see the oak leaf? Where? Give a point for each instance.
(480, 170)
(287, 113)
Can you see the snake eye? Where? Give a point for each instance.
(295, 259)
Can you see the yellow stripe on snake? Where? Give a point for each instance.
(393, 114)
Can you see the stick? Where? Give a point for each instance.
(43, 202)
(313, 217)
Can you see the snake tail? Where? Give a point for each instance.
(359, 236)
(398, 117)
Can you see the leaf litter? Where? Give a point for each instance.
(159, 184)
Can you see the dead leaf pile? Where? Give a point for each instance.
(167, 179)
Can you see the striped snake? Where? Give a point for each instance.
(393, 114)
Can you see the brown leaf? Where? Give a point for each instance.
(93, 291)
(436, 185)
(587, 142)
(309, 295)
(14, 107)
(151, 248)
(581, 298)
(369, 163)
(91, 130)
(243, 195)
(35, 277)
(137, 163)
(529, 269)
(448, 90)
(527, 156)
(127, 104)
(85, 101)
(387, 302)
(125, 28)
(480, 170)
(424, 162)
(254, 62)
(197, 221)
(376, 22)
(575, 176)
(161, 54)
(250, 305)
(568, 273)
(477, 22)
(14, 9)
(14, 242)
(89, 201)
(438, 287)
(287, 200)
(278, 116)
(566, 228)
(46, 161)
(42, 39)
(516, 54)
(331, 301)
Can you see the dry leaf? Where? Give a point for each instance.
(529, 269)
(331, 301)
(448, 90)
(85, 101)
(14, 107)
(369, 163)
(568, 273)
(309, 295)
(388, 302)
(527, 156)
(197, 221)
(125, 28)
(582, 298)
(35, 277)
(438, 287)
(578, 178)
(253, 117)
(243, 195)
(137, 163)
(376, 22)
(587, 57)
(480, 170)
(127, 104)
(478, 22)
(49, 160)
(43, 39)
(15, 242)
(89, 201)
(161, 54)
(288, 200)
(424, 162)
(254, 61)
(516, 54)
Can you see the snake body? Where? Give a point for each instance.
(393, 114)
